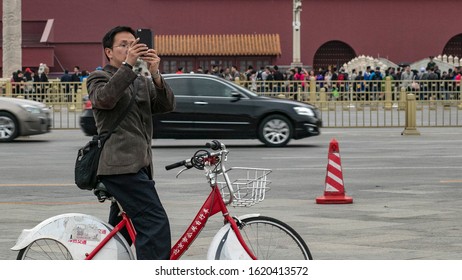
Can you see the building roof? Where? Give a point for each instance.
(218, 45)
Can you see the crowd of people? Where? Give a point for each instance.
(273, 79)
(335, 81)
(273, 75)
(32, 81)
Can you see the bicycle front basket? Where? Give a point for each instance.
(249, 189)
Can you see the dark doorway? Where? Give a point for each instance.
(454, 46)
(333, 53)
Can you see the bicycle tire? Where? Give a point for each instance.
(45, 249)
(271, 239)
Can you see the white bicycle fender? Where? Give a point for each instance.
(226, 246)
(246, 216)
(79, 233)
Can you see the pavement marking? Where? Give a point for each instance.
(44, 203)
(36, 185)
(451, 181)
(372, 168)
(362, 157)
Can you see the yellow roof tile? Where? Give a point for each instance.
(218, 45)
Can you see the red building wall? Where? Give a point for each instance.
(402, 30)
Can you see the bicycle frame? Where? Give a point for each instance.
(126, 222)
(212, 205)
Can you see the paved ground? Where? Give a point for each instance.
(406, 191)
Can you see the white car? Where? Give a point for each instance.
(21, 117)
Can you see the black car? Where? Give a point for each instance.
(208, 107)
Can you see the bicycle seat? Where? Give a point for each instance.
(101, 192)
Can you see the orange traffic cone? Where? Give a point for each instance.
(334, 192)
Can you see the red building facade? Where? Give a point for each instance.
(332, 31)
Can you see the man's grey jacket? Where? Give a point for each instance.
(128, 149)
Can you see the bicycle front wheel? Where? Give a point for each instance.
(271, 239)
(45, 249)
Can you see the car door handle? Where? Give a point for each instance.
(201, 103)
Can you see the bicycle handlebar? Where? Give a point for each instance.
(203, 158)
(214, 145)
(176, 164)
(192, 162)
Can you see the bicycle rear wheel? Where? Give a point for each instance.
(271, 239)
(45, 249)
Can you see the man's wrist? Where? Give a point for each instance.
(127, 64)
(156, 74)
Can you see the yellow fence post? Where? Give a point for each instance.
(388, 102)
(8, 89)
(460, 97)
(323, 99)
(402, 99)
(312, 90)
(431, 96)
(283, 95)
(411, 116)
(70, 97)
(78, 101)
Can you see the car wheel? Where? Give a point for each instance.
(275, 131)
(9, 128)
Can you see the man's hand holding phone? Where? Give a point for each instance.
(150, 56)
(135, 51)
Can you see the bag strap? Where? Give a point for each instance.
(122, 116)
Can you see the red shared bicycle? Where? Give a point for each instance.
(79, 236)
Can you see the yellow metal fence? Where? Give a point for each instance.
(372, 103)
(340, 103)
(65, 99)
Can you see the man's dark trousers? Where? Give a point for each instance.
(137, 195)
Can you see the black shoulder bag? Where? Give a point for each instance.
(86, 164)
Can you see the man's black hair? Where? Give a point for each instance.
(108, 39)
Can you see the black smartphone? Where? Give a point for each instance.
(145, 36)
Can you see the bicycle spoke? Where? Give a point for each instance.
(270, 239)
(46, 249)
